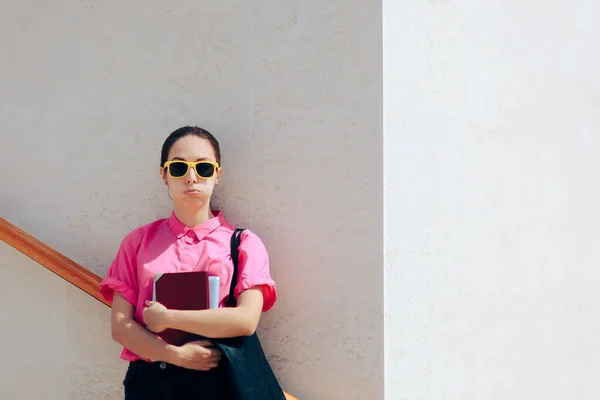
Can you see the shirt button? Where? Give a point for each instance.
(163, 365)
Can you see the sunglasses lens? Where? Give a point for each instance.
(178, 169)
(205, 170)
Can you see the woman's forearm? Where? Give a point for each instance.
(140, 341)
(213, 323)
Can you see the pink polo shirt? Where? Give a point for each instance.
(167, 245)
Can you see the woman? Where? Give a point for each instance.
(193, 238)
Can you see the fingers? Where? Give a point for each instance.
(215, 354)
(205, 366)
(202, 356)
(203, 343)
(209, 363)
(209, 366)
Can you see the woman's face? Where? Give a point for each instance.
(191, 189)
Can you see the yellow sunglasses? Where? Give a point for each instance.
(180, 168)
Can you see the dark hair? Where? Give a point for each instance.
(185, 131)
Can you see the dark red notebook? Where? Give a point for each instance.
(181, 291)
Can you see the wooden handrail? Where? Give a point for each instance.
(62, 266)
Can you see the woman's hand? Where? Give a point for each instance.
(193, 355)
(155, 316)
(197, 355)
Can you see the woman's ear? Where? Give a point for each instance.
(219, 170)
(163, 174)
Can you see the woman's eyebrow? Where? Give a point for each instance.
(198, 159)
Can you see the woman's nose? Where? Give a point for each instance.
(191, 176)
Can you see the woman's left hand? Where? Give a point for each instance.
(155, 316)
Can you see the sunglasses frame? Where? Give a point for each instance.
(191, 164)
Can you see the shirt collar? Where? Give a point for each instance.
(179, 229)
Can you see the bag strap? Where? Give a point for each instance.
(235, 244)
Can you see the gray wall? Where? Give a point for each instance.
(54, 340)
(89, 91)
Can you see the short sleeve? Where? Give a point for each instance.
(254, 269)
(122, 273)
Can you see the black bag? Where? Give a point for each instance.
(246, 368)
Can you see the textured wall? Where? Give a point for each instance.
(491, 200)
(90, 89)
(55, 339)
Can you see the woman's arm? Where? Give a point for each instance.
(134, 337)
(127, 332)
(214, 323)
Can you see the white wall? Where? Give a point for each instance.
(491, 200)
(89, 90)
(53, 339)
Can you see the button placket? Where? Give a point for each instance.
(187, 254)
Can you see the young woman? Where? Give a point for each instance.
(193, 238)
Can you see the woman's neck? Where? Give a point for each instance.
(192, 217)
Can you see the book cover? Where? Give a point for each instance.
(214, 283)
(181, 291)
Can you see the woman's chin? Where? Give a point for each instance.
(198, 198)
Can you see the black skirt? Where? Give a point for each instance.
(163, 381)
